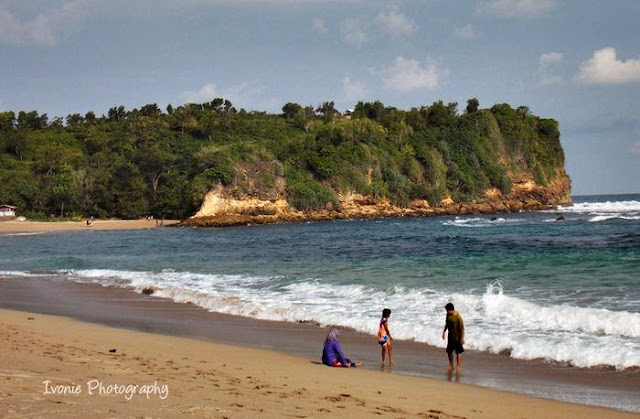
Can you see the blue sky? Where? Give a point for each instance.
(577, 61)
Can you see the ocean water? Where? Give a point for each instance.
(527, 284)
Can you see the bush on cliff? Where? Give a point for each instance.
(305, 194)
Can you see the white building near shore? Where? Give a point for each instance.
(7, 211)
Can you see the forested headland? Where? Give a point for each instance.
(148, 161)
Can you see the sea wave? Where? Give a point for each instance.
(605, 217)
(34, 233)
(25, 274)
(474, 222)
(607, 207)
(495, 322)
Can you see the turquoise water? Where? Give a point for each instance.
(565, 291)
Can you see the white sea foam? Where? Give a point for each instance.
(608, 207)
(474, 222)
(605, 217)
(495, 322)
(23, 274)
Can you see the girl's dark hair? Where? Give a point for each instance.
(386, 313)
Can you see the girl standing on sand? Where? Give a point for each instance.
(384, 336)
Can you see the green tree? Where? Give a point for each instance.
(328, 111)
(151, 110)
(117, 114)
(371, 110)
(7, 121)
(74, 120)
(439, 114)
(31, 120)
(290, 109)
(90, 117)
(303, 117)
(472, 105)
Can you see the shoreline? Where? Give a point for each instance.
(59, 367)
(125, 309)
(15, 227)
(254, 217)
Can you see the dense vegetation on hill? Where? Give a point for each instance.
(146, 161)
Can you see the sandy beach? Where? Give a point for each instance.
(109, 372)
(8, 227)
(187, 367)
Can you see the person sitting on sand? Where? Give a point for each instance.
(332, 352)
(384, 336)
(455, 326)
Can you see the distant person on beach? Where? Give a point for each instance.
(455, 326)
(384, 336)
(332, 352)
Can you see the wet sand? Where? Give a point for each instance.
(299, 343)
(108, 372)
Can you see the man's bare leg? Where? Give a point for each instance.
(459, 362)
(450, 366)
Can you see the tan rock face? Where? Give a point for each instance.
(216, 203)
(261, 199)
(526, 186)
(492, 193)
(446, 202)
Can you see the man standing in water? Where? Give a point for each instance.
(455, 326)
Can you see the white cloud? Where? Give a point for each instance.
(246, 94)
(546, 68)
(204, 94)
(320, 27)
(465, 32)
(605, 68)
(549, 58)
(354, 32)
(396, 24)
(405, 75)
(354, 90)
(45, 29)
(515, 8)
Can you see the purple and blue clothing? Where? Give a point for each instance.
(332, 354)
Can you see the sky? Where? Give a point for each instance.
(577, 61)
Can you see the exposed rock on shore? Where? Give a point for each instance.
(224, 207)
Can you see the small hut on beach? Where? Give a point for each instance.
(7, 211)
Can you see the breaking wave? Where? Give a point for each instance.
(495, 322)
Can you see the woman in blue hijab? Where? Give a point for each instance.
(332, 353)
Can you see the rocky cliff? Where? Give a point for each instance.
(386, 163)
(259, 205)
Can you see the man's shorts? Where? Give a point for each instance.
(454, 346)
